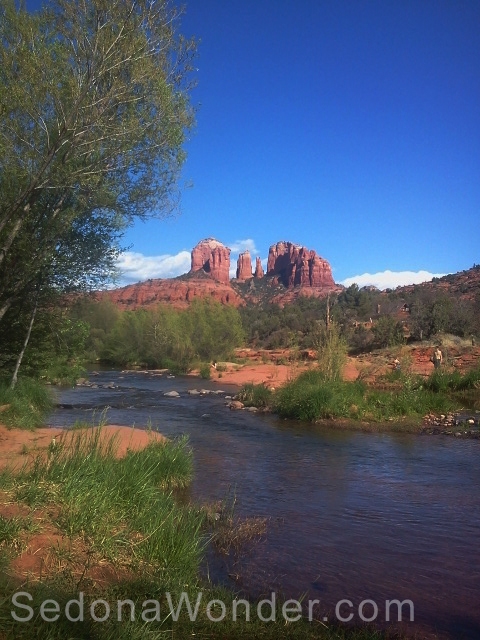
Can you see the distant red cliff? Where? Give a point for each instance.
(292, 271)
(295, 265)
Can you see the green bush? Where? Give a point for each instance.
(205, 371)
(444, 381)
(255, 395)
(332, 351)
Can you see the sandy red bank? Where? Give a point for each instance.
(19, 447)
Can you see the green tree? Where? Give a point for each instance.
(387, 332)
(94, 111)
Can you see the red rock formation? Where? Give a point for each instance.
(298, 266)
(177, 292)
(244, 266)
(258, 269)
(212, 257)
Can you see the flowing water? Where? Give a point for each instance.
(352, 516)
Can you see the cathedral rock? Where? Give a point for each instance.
(213, 257)
(295, 265)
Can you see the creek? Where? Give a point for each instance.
(351, 516)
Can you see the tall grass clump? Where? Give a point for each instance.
(311, 397)
(444, 381)
(130, 497)
(27, 405)
(255, 395)
(331, 349)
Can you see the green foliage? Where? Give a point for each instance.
(387, 332)
(332, 351)
(97, 494)
(311, 397)
(255, 395)
(28, 404)
(165, 337)
(205, 371)
(11, 530)
(443, 381)
(270, 326)
(94, 111)
(56, 347)
(100, 316)
(438, 312)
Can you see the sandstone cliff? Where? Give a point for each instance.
(213, 258)
(258, 269)
(294, 265)
(177, 292)
(244, 266)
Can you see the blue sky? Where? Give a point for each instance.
(349, 126)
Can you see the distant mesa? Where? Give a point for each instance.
(295, 265)
(212, 257)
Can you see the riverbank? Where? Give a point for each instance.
(19, 447)
(274, 368)
(92, 541)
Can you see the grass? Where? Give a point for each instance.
(312, 397)
(11, 530)
(119, 516)
(446, 381)
(255, 395)
(27, 405)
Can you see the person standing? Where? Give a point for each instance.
(437, 358)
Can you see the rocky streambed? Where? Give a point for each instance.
(459, 425)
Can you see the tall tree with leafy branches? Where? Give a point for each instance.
(94, 113)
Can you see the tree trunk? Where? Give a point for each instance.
(5, 307)
(22, 352)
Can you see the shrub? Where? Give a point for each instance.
(205, 371)
(255, 395)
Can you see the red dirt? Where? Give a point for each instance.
(48, 550)
(19, 447)
(262, 367)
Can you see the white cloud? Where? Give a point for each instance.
(243, 245)
(135, 267)
(391, 279)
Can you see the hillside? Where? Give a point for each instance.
(464, 284)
